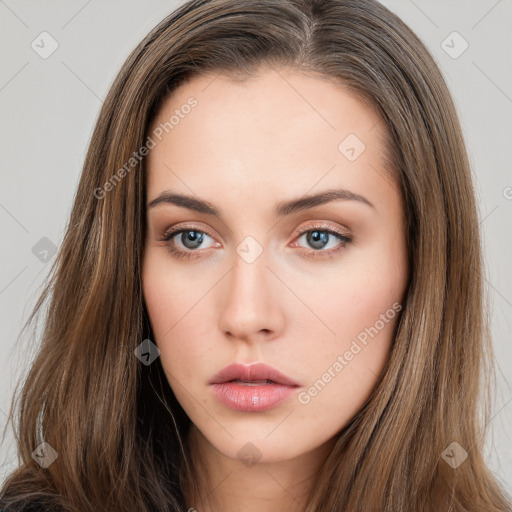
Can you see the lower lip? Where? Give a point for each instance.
(252, 398)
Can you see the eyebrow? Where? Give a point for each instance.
(282, 209)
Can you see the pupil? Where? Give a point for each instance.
(318, 239)
(194, 237)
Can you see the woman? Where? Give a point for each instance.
(269, 294)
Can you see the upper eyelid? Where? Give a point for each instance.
(174, 230)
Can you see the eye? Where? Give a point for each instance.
(189, 239)
(319, 237)
(184, 242)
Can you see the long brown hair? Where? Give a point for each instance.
(114, 422)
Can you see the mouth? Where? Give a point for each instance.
(252, 388)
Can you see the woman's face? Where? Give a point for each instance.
(269, 268)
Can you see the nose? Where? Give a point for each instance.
(250, 306)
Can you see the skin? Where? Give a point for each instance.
(244, 148)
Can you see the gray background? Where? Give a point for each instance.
(49, 106)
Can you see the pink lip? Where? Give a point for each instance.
(252, 397)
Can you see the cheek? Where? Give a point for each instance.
(178, 312)
(361, 296)
(362, 324)
(168, 293)
(363, 306)
(344, 368)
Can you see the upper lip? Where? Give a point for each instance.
(252, 372)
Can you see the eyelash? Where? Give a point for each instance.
(317, 254)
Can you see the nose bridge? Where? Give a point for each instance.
(249, 306)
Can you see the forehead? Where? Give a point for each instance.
(266, 102)
(278, 128)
